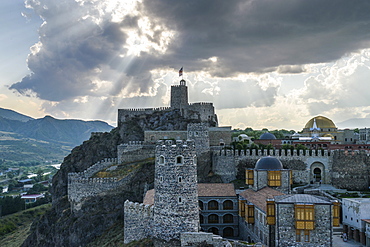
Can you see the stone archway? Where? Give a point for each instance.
(317, 173)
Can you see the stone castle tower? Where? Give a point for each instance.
(179, 95)
(176, 192)
(199, 132)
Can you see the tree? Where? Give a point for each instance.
(10, 205)
(39, 173)
(37, 188)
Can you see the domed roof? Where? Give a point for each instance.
(243, 135)
(268, 163)
(267, 136)
(321, 122)
(329, 135)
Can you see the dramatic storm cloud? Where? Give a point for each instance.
(235, 53)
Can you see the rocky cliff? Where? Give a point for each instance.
(62, 227)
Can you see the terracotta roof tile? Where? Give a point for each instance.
(258, 198)
(215, 190)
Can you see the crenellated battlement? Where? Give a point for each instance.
(281, 153)
(77, 179)
(201, 103)
(100, 165)
(178, 85)
(138, 208)
(81, 184)
(134, 151)
(164, 108)
(165, 145)
(138, 219)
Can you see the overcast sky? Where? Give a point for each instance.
(263, 63)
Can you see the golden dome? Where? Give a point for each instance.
(329, 135)
(321, 122)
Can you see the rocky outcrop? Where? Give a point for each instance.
(63, 227)
(133, 128)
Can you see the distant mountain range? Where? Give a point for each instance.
(42, 138)
(354, 123)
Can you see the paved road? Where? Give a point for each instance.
(338, 242)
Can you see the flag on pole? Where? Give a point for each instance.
(180, 71)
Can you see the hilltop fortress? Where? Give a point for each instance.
(188, 138)
(203, 112)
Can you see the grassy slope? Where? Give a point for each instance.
(113, 237)
(14, 228)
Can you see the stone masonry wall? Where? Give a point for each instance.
(350, 170)
(137, 221)
(134, 151)
(124, 114)
(176, 191)
(81, 185)
(226, 162)
(153, 136)
(285, 227)
(204, 111)
(219, 133)
(179, 96)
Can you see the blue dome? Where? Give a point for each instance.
(269, 163)
(267, 136)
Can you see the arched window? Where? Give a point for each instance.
(213, 205)
(179, 160)
(214, 230)
(161, 160)
(179, 179)
(201, 205)
(201, 219)
(228, 232)
(228, 205)
(228, 218)
(213, 218)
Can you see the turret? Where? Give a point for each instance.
(176, 192)
(179, 95)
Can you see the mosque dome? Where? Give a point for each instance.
(267, 136)
(268, 163)
(321, 122)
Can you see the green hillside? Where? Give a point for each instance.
(14, 228)
(24, 139)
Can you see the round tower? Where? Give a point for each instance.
(176, 191)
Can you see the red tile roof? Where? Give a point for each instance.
(258, 198)
(216, 190)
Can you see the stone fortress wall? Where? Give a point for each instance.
(153, 136)
(342, 169)
(82, 186)
(203, 111)
(225, 162)
(125, 114)
(134, 151)
(138, 219)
